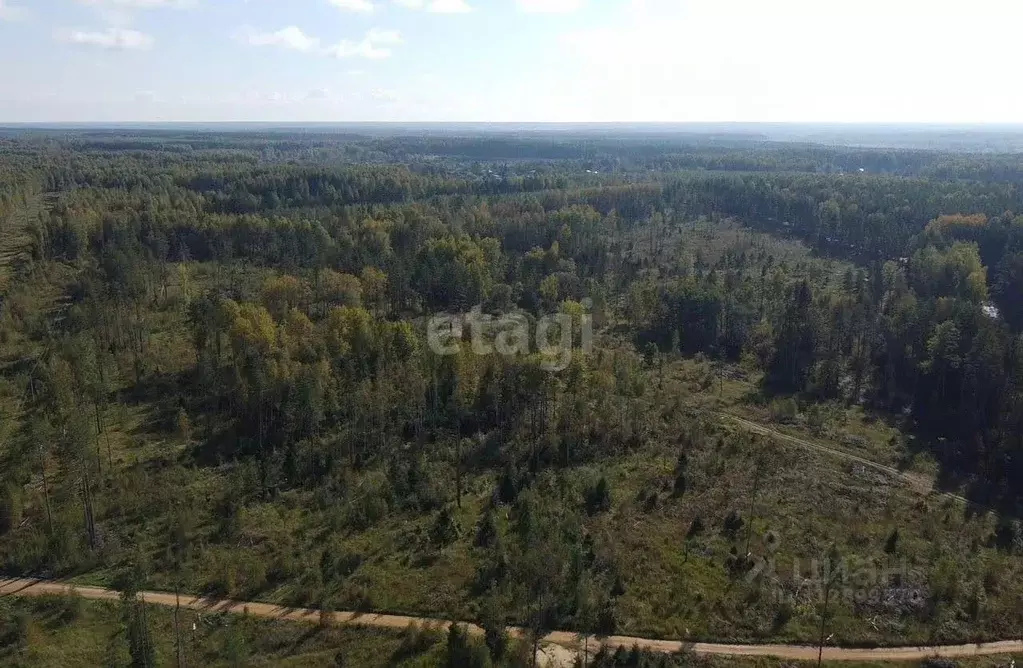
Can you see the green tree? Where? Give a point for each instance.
(135, 619)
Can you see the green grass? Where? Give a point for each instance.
(67, 631)
(807, 500)
(94, 635)
(15, 239)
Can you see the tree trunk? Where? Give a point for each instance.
(90, 522)
(46, 490)
(458, 470)
(177, 625)
(537, 630)
(824, 619)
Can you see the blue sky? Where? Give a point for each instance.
(511, 60)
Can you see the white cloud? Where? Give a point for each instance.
(378, 36)
(111, 38)
(449, 7)
(291, 38)
(141, 4)
(374, 46)
(550, 6)
(385, 95)
(364, 6)
(120, 13)
(436, 6)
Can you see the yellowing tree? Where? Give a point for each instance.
(374, 289)
(335, 289)
(284, 293)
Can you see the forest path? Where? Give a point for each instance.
(920, 483)
(566, 639)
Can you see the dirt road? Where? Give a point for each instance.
(920, 483)
(565, 639)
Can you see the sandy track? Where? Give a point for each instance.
(23, 587)
(921, 484)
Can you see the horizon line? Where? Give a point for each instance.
(892, 123)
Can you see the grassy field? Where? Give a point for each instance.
(918, 568)
(938, 581)
(16, 240)
(67, 631)
(61, 632)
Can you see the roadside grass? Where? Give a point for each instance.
(939, 582)
(674, 586)
(801, 509)
(60, 631)
(94, 635)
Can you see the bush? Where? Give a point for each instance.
(445, 528)
(235, 649)
(231, 573)
(1009, 535)
(618, 588)
(783, 616)
(493, 569)
(507, 486)
(66, 608)
(486, 531)
(10, 509)
(463, 651)
(496, 640)
(252, 570)
(367, 510)
(341, 565)
(416, 640)
(358, 597)
(784, 411)
(680, 484)
(733, 524)
(945, 580)
(183, 426)
(598, 497)
(607, 618)
(938, 662)
(892, 544)
(15, 628)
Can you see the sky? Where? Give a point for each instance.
(932, 61)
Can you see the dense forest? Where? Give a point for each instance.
(217, 372)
